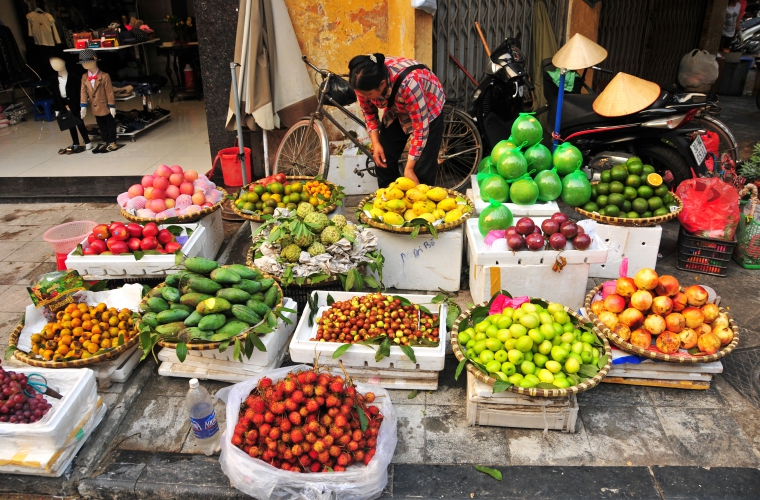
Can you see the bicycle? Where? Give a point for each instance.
(305, 150)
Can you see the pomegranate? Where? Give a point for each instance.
(641, 300)
(709, 343)
(662, 305)
(675, 322)
(667, 285)
(625, 287)
(534, 242)
(557, 241)
(679, 302)
(693, 316)
(560, 218)
(688, 338)
(549, 227)
(581, 241)
(668, 342)
(622, 331)
(641, 338)
(646, 279)
(525, 226)
(597, 307)
(609, 319)
(654, 324)
(724, 334)
(614, 303)
(695, 295)
(710, 312)
(632, 318)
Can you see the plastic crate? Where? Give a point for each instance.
(703, 255)
(301, 293)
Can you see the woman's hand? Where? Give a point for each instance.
(378, 154)
(409, 171)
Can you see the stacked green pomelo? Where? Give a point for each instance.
(630, 190)
(539, 158)
(494, 187)
(494, 217)
(533, 346)
(567, 159)
(526, 130)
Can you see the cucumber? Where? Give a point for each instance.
(258, 307)
(249, 286)
(266, 283)
(212, 322)
(233, 295)
(172, 316)
(200, 265)
(246, 314)
(170, 329)
(245, 272)
(225, 276)
(170, 294)
(181, 307)
(204, 285)
(213, 305)
(157, 304)
(193, 299)
(229, 330)
(149, 318)
(272, 297)
(193, 319)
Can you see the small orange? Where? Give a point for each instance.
(114, 330)
(51, 344)
(87, 325)
(47, 354)
(122, 325)
(105, 343)
(66, 340)
(105, 316)
(86, 317)
(76, 314)
(65, 331)
(59, 314)
(95, 339)
(77, 353)
(96, 330)
(106, 335)
(93, 348)
(35, 349)
(76, 322)
(63, 349)
(78, 332)
(113, 321)
(82, 307)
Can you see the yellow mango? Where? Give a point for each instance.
(409, 215)
(378, 203)
(380, 193)
(427, 216)
(422, 188)
(447, 204)
(439, 214)
(393, 219)
(422, 207)
(394, 194)
(376, 213)
(437, 194)
(408, 203)
(414, 195)
(404, 183)
(453, 215)
(397, 206)
(430, 206)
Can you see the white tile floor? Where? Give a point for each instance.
(30, 149)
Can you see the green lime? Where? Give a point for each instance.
(591, 207)
(626, 206)
(606, 176)
(622, 215)
(616, 199)
(618, 173)
(594, 192)
(635, 166)
(668, 199)
(630, 193)
(603, 188)
(646, 170)
(602, 211)
(661, 191)
(633, 215)
(654, 203)
(645, 192)
(602, 201)
(640, 205)
(612, 211)
(661, 211)
(249, 206)
(616, 187)
(646, 214)
(633, 180)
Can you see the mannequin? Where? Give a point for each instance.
(66, 92)
(97, 89)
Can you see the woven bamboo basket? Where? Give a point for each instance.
(206, 346)
(179, 219)
(628, 347)
(258, 218)
(533, 391)
(446, 226)
(74, 363)
(640, 222)
(332, 279)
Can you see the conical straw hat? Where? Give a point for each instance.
(626, 94)
(578, 53)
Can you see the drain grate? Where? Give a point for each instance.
(741, 369)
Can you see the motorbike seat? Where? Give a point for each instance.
(578, 110)
(750, 23)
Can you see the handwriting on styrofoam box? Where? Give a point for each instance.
(416, 252)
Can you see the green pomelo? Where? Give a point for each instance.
(512, 164)
(576, 189)
(501, 148)
(494, 187)
(567, 158)
(539, 158)
(549, 185)
(524, 191)
(527, 130)
(494, 217)
(487, 165)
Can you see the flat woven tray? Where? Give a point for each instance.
(74, 363)
(179, 219)
(446, 226)
(257, 218)
(640, 222)
(307, 283)
(628, 347)
(207, 346)
(533, 391)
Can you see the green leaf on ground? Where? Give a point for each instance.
(491, 472)
(460, 368)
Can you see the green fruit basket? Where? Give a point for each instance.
(278, 279)
(334, 189)
(683, 358)
(532, 391)
(632, 222)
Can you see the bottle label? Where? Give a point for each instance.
(204, 428)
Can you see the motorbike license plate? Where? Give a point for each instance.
(698, 150)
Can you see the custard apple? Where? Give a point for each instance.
(330, 235)
(291, 253)
(316, 221)
(339, 221)
(304, 240)
(304, 208)
(316, 248)
(284, 240)
(350, 229)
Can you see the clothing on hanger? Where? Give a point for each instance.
(12, 67)
(42, 28)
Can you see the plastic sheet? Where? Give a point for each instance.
(710, 208)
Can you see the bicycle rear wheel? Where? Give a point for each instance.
(461, 150)
(304, 150)
(727, 142)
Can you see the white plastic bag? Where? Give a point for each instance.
(428, 6)
(264, 482)
(698, 69)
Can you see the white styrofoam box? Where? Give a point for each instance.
(78, 388)
(205, 241)
(640, 244)
(37, 461)
(303, 350)
(272, 341)
(117, 370)
(341, 172)
(422, 263)
(540, 208)
(529, 273)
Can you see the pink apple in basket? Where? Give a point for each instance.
(163, 171)
(133, 244)
(149, 243)
(191, 176)
(157, 205)
(158, 194)
(186, 188)
(176, 169)
(170, 203)
(149, 192)
(136, 190)
(207, 204)
(147, 181)
(176, 179)
(198, 198)
(172, 192)
(161, 182)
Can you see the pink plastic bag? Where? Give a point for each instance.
(501, 302)
(710, 208)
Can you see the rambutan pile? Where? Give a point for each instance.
(308, 422)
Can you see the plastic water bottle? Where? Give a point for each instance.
(202, 418)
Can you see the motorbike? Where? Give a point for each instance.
(748, 39)
(667, 134)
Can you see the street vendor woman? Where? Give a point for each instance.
(413, 99)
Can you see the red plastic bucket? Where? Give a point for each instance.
(231, 171)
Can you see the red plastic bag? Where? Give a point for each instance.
(712, 142)
(710, 208)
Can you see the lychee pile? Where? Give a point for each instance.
(308, 422)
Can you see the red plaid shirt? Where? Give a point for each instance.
(419, 101)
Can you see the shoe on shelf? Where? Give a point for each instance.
(111, 147)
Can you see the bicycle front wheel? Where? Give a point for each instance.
(461, 150)
(304, 150)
